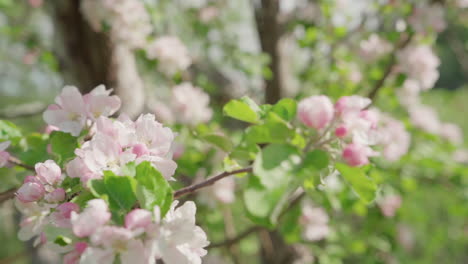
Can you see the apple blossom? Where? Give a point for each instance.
(190, 104)
(428, 16)
(4, 156)
(452, 133)
(394, 138)
(351, 104)
(315, 111)
(30, 192)
(315, 222)
(93, 216)
(48, 172)
(171, 53)
(389, 204)
(62, 215)
(420, 64)
(99, 102)
(374, 47)
(138, 218)
(35, 218)
(74, 256)
(69, 112)
(425, 117)
(356, 155)
(55, 196)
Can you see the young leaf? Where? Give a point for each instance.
(220, 141)
(64, 145)
(244, 109)
(9, 131)
(152, 188)
(362, 185)
(286, 109)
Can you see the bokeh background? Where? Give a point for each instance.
(45, 44)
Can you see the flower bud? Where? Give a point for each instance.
(138, 218)
(356, 155)
(140, 150)
(55, 196)
(341, 131)
(30, 192)
(48, 172)
(316, 111)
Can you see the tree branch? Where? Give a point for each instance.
(208, 182)
(6, 195)
(393, 61)
(19, 163)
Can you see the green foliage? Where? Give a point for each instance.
(152, 188)
(243, 109)
(357, 178)
(63, 145)
(9, 131)
(35, 149)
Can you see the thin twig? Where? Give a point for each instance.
(208, 182)
(6, 195)
(19, 163)
(393, 60)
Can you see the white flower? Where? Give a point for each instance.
(171, 53)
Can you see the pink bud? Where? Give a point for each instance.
(138, 218)
(30, 192)
(73, 257)
(31, 178)
(48, 172)
(341, 131)
(356, 155)
(80, 247)
(316, 111)
(140, 150)
(56, 196)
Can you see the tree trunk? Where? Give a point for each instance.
(269, 31)
(88, 58)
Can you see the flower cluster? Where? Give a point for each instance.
(128, 20)
(88, 229)
(118, 142)
(428, 17)
(171, 53)
(189, 105)
(74, 112)
(351, 123)
(315, 222)
(374, 47)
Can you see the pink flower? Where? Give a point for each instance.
(452, 133)
(4, 156)
(69, 112)
(76, 168)
(138, 218)
(389, 204)
(394, 138)
(341, 131)
(190, 104)
(351, 104)
(34, 221)
(99, 102)
(48, 172)
(61, 217)
(30, 192)
(427, 17)
(316, 111)
(420, 64)
(73, 257)
(93, 216)
(356, 155)
(171, 53)
(55, 196)
(315, 222)
(374, 47)
(425, 118)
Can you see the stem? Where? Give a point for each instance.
(19, 163)
(6, 195)
(208, 182)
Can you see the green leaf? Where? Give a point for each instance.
(62, 241)
(274, 165)
(274, 130)
(364, 186)
(63, 145)
(286, 109)
(220, 141)
(243, 109)
(9, 131)
(152, 188)
(317, 159)
(119, 191)
(36, 150)
(290, 229)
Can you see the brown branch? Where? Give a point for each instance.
(208, 182)
(19, 163)
(393, 61)
(6, 195)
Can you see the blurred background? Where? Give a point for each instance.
(266, 49)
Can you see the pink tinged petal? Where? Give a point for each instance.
(71, 100)
(316, 111)
(341, 131)
(56, 196)
(97, 256)
(48, 172)
(140, 150)
(78, 169)
(93, 217)
(356, 155)
(30, 192)
(138, 218)
(135, 253)
(166, 166)
(61, 217)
